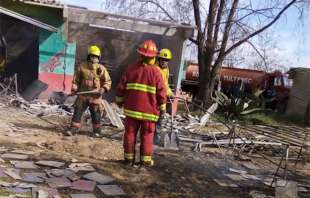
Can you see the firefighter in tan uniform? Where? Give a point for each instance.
(90, 76)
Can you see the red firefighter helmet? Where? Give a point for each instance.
(148, 48)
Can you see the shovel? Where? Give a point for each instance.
(171, 138)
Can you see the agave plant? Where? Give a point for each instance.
(234, 107)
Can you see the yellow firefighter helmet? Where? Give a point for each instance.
(94, 50)
(165, 53)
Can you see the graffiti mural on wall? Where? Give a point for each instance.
(52, 63)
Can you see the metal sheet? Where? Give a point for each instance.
(28, 19)
(113, 116)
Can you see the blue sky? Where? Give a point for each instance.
(293, 39)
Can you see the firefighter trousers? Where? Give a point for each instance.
(147, 129)
(80, 108)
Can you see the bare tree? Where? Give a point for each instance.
(222, 26)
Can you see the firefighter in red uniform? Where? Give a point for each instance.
(142, 92)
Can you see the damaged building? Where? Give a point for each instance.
(44, 41)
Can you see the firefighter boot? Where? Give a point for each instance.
(97, 132)
(72, 131)
(129, 159)
(146, 161)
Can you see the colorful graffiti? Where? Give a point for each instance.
(52, 63)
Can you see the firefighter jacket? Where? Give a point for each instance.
(89, 77)
(165, 74)
(142, 92)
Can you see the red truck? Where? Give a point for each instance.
(276, 81)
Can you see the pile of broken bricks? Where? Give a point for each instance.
(22, 177)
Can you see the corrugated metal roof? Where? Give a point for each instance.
(27, 19)
(53, 3)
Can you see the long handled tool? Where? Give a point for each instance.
(61, 97)
(171, 139)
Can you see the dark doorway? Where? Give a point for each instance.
(22, 47)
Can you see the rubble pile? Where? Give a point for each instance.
(23, 176)
(60, 104)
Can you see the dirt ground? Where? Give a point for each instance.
(176, 173)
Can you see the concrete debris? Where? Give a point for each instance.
(86, 195)
(34, 177)
(18, 190)
(14, 173)
(52, 192)
(3, 149)
(14, 156)
(76, 167)
(53, 164)
(59, 173)
(5, 184)
(24, 164)
(58, 182)
(2, 174)
(111, 190)
(99, 178)
(42, 194)
(73, 177)
(84, 185)
(22, 152)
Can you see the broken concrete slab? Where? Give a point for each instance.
(34, 177)
(1, 160)
(52, 192)
(2, 173)
(24, 164)
(5, 184)
(86, 195)
(24, 185)
(225, 183)
(84, 185)
(53, 164)
(14, 156)
(76, 167)
(18, 190)
(73, 177)
(42, 194)
(22, 152)
(99, 178)
(58, 182)
(111, 190)
(60, 173)
(14, 173)
(3, 149)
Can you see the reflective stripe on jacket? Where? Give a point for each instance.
(142, 91)
(88, 77)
